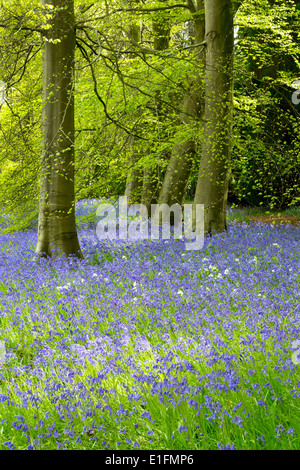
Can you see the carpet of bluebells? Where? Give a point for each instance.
(144, 345)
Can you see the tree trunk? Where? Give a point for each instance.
(151, 186)
(134, 181)
(57, 229)
(184, 152)
(212, 184)
(161, 27)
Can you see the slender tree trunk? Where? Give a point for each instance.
(183, 154)
(151, 186)
(134, 182)
(161, 27)
(57, 229)
(212, 184)
(184, 151)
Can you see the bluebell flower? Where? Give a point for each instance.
(9, 444)
(182, 428)
(227, 447)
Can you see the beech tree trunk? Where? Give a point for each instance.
(184, 151)
(56, 228)
(212, 184)
(161, 28)
(142, 185)
(134, 181)
(151, 186)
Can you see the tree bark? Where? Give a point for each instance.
(161, 28)
(134, 181)
(212, 184)
(142, 186)
(151, 185)
(184, 152)
(57, 228)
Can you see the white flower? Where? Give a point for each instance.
(295, 357)
(213, 268)
(63, 287)
(180, 292)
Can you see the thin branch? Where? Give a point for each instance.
(22, 28)
(87, 45)
(148, 50)
(204, 43)
(27, 60)
(236, 5)
(85, 9)
(83, 51)
(129, 132)
(98, 54)
(134, 87)
(137, 10)
(88, 36)
(191, 5)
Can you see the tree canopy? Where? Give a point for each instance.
(140, 87)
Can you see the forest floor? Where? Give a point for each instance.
(277, 220)
(250, 214)
(147, 345)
